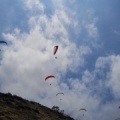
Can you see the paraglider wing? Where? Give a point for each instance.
(59, 93)
(3, 42)
(55, 49)
(83, 109)
(50, 76)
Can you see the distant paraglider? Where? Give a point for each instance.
(55, 50)
(50, 76)
(83, 110)
(3, 42)
(59, 94)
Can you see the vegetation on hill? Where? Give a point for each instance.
(13, 107)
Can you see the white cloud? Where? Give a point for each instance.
(29, 59)
(92, 28)
(113, 73)
(117, 32)
(35, 5)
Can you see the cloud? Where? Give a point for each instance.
(111, 62)
(92, 30)
(114, 75)
(117, 32)
(35, 5)
(29, 59)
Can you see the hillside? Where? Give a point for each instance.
(13, 107)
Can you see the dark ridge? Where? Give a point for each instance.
(13, 107)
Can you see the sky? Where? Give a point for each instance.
(87, 68)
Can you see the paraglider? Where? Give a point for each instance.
(83, 110)
(55, 50)
(50, 76)
(59, 94)
(3, 42)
